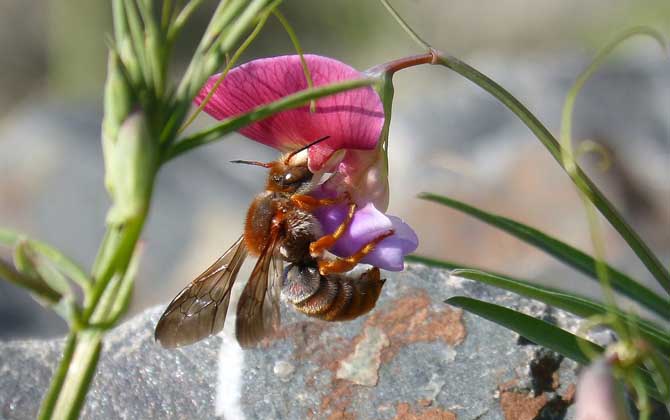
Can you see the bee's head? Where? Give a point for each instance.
(290, 173)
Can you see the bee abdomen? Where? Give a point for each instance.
(337, 298)
(363, 296)
(323, 300)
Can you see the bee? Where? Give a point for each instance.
(280, 227)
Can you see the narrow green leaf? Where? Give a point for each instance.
(536, 330)
(65, 264)
(34, 285)
(563, 252)
(578, 305)
(542, 333)
(433, 262)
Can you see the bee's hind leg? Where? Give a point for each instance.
(341, 265)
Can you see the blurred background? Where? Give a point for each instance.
(447, 136)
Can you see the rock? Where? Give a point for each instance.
(412, 357)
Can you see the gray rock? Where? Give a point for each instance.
(412, 356)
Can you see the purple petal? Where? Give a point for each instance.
(369, 223)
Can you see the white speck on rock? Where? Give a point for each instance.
(283, 370)
(362, 366)
(450, 354)
(456, 281)
(433, 387)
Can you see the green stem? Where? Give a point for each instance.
(581, 180)
(119, 249)
(569, 160)
(404, 25)
(70, 390)
(49, 402)
(298, 49)
(77, 380)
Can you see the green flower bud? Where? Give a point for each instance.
(132, 162)
(118, 103)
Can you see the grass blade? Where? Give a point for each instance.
(570, 302)
(563, 252)
(541, 332)
(536, 330)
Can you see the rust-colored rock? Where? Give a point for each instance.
(412, 319)
(404, 412)
(521, 406)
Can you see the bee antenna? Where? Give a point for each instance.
(295, 152)
(253, 162)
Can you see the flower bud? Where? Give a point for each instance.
(118, 103)
(118, 97)
(131, 164)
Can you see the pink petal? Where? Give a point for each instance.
(352, 119)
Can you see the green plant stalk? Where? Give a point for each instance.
(581, 180)
(80, 372)
(617, 321)
(570, 164)
(79, 369)
(50, 398)
(298, 49)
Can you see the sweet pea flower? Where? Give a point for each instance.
(354, 122)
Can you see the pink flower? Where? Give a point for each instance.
(354, 120)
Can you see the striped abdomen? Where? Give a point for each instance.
(333, 297)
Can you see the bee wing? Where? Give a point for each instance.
(200, 309)
(272, 314)
(252, 323)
